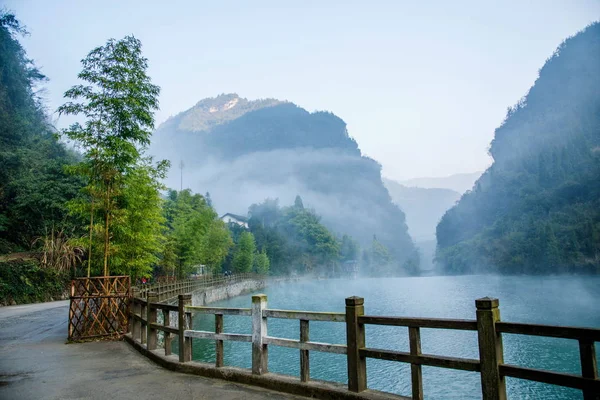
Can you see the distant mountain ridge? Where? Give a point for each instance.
(423, 207)
(245, 151)
(457, 182)
(211, 112)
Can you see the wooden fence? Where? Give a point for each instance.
(487, 324)
(99, 306)
(170, 290)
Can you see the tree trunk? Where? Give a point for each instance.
(106, 223)
(91, 237)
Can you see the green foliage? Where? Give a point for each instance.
(537, 208)
(379, 258)
(261, 263)
(293, 238)
(216, 245)
(349, 249)
(195, 235)
(26, 282)
(118, 102)
(33, 184)
(243, 256)
(138, 234)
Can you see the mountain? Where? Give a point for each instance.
(458, 182)
(244, 151)
(423, 207)
(537, 208)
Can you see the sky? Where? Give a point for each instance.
(421, 85)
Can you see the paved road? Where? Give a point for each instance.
(35, 363)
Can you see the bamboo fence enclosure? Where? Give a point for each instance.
(99, 307)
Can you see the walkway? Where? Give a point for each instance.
(36, 364)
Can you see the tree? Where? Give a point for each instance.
(261, 263)
(216, 244)
(138, 231)
(348, 249)
(118, 102)
(312, 240)
(298, 202)
(380, 257)
(194, 233)
(243, 257)
(191, 221)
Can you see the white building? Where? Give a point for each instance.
(235, 219)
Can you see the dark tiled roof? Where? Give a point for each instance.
(238, 217)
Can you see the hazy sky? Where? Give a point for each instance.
(421, 85)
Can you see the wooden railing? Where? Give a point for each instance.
(170, 290)
(487, 324)
(145, 327)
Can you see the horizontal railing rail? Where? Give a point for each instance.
(305, 315)
(565, 332)
(434, 323)
(487, 325)
(245, 312)
(431, 360)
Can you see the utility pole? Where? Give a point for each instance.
(181, 165)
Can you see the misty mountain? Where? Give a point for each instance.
(423, 207)
(243, 152)
(537, 208)
(457, 182)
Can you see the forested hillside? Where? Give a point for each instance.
(34, 186)
(270, 149)
(537, 208)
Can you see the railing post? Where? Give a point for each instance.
(135, 323)
(143, 320)
(589, 366)
(168, 338)
(260, 352)
(355, 340)
(185, 344)
(219, 343)
(493, 386)
(151, 318)
(414, 336)
(304, 356)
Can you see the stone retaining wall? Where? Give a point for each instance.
(216, 293)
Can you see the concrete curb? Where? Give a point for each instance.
(281, 383)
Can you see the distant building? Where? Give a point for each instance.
(235, 219)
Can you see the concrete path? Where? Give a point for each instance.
(35, 363)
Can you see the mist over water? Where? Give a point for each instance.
(561, 300)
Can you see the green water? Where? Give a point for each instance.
(549, 300)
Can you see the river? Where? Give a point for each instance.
(561, 300)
